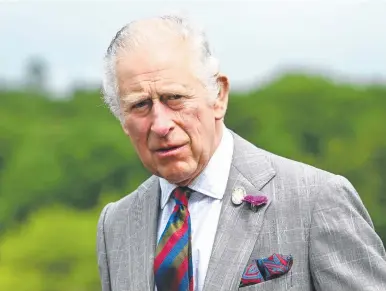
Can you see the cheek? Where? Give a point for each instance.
(203, 119)
(136, 130)
(193, 113)
(199, 124)
(189, 121)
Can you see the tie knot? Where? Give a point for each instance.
(181, 195)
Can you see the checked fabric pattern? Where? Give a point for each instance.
(173, 266)
(265, 269)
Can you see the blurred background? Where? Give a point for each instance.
(308, 82)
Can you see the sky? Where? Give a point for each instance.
(254, 40)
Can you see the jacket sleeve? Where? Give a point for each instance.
(345, 251)
(102, 253)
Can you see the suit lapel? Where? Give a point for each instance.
(238, 227)
(143, 236)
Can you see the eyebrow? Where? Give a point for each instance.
(134, 97)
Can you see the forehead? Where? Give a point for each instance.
(167, 63)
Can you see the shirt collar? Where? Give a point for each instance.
(213, 179)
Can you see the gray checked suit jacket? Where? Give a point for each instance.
(315, 216)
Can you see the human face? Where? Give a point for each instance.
(166, 112)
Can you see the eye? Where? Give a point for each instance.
(174, 97)
(170, 97)
(173, 101)
(141, 104)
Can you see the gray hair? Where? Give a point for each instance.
(128, 36)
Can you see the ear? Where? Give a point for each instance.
(124, 125)
(125, 130)
(221, 102)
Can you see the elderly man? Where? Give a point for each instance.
(218, 213)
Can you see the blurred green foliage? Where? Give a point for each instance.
(62, 160)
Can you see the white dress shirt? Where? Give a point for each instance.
(204, 206)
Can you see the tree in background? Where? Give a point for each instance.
(53, 251)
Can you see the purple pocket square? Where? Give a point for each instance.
(265, 269)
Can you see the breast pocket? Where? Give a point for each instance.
(279, 284)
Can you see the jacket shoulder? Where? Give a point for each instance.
(284, 167)
(112, 209)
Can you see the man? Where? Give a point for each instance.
(218, 212)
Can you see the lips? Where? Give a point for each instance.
(170, 151)
(169, 148)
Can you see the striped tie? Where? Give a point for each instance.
(173, 266)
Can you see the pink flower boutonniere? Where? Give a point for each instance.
(255, 201)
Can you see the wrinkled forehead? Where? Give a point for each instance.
(169, 61)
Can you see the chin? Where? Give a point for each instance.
(176, 178)
(177, 175)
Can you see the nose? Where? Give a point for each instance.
(162, 121)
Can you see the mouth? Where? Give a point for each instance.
(169, 151)
(168, 148)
